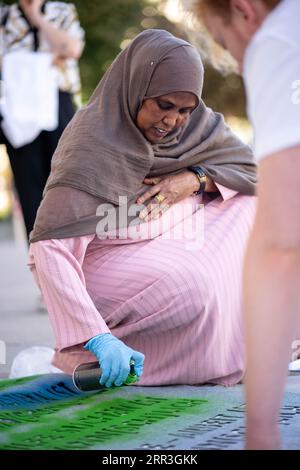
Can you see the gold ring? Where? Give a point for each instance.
(160, 198)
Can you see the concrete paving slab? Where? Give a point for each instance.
(22, 324)
(37, 416)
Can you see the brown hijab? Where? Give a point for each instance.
(103, 155)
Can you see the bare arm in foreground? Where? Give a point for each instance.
(271, 293)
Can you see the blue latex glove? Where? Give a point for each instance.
(114, 359)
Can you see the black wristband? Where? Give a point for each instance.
(201, 177)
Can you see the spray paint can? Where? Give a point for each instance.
(86, 377)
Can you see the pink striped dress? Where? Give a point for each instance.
(178, 301)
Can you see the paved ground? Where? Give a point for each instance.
(218, 423)
(22, 324)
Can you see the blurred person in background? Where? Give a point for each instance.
(264, 38)
(37, 38)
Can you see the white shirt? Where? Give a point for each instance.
(30, 103)
(272, 79)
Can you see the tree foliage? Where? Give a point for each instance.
(107, 23)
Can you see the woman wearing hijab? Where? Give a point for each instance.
(118, 281)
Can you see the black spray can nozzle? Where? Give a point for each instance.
(86, 377)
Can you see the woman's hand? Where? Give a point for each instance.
(168, 190)
(63, 45)
(114, 359)
(32, 10)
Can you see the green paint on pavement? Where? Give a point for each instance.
(89, 421)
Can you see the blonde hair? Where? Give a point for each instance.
(194, 10)
(222, 7)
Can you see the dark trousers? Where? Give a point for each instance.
(31, 163)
